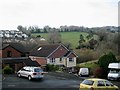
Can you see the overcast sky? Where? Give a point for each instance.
(88, 13)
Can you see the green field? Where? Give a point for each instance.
(67, 37)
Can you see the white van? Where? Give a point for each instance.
(114, 73)
(83, 72)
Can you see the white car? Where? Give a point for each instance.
(31, 72)
(83, 72)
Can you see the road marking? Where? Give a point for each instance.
(11, 85)
(3, 78)
(75, 81)
(75, 86)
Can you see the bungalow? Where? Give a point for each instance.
(54, 54)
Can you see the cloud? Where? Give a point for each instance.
(57, 12)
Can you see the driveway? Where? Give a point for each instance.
(53, 80)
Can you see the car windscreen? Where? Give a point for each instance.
(88, 82)
(114, 71)
(38, 70)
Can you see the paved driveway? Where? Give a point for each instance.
(55, 81)
(51, 80)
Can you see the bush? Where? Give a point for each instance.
(7, 70)
(105, 60)
(99, 73)
(85, 55)
(52, 67)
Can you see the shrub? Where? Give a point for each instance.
(99, 73)
(52, 67)
(85, 55)
(7, 70)
(105, 60)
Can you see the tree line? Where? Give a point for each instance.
(72, 28)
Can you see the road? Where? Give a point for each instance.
(55, 81)
(50, 81)
(0, 81)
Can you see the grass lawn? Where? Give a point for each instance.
(67, 37)
(89, 64)
(72, 37)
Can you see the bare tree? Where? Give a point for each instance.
(24, 30)
(54, 36)
(108, 42)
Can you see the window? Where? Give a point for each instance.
(88, 82)
(108, 83)
(38, 70)
(100, 83)
(71, 59)
(60, 60)
(52, 60)
(115, 71)
(9, 54)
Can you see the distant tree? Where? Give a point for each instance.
(82, 37)
(54, 37)
(90, 35)
(93, 43)
(20, 27)
(68, 45)
(46, 29)
(81, 41)
(34, 29)
(39, 36)
(24, 30)
(102, 35)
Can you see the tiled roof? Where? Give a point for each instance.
(67, 53)
(26, 60)
(16, 46)
(44, 50)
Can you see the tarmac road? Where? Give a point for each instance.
(52, 80)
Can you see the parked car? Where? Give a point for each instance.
(31, 72)
(97, 84)
(114, 73)
(83, 72)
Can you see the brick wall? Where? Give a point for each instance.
(72, 55)
(60, 52)
(14, 52)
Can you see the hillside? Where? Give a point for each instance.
(67, 37)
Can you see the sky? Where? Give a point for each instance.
(55, 13)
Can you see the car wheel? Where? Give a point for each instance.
(19, 75)
(29, 78)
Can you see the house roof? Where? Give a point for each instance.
(48, 50)
(26, 60)
(70, 52)
(44, 50)
(19, 47)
